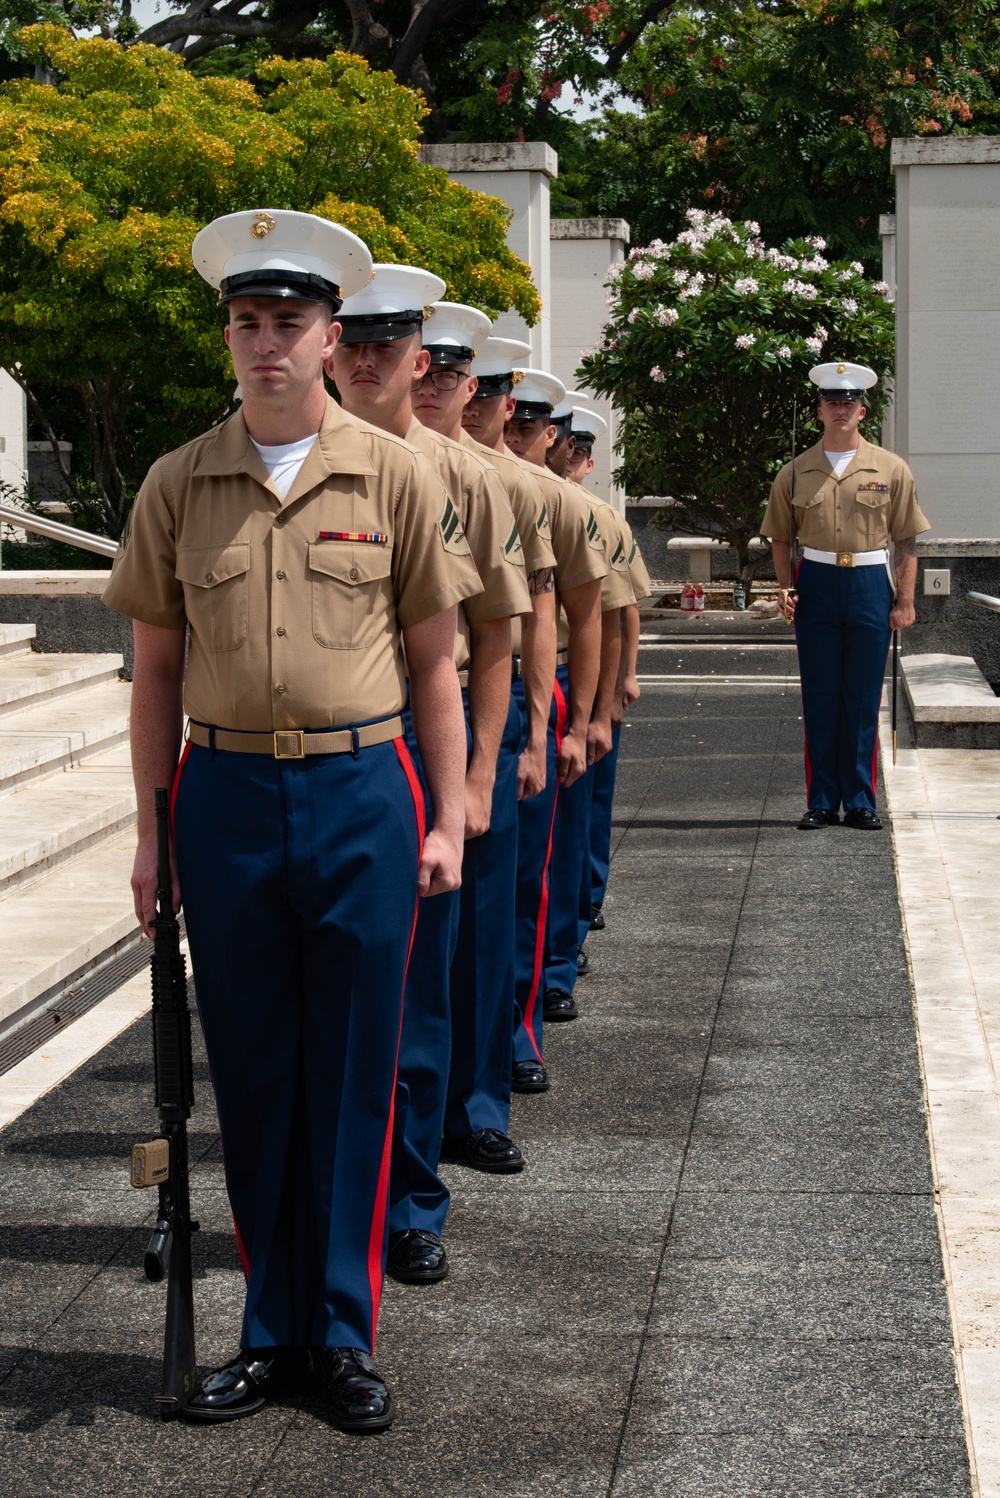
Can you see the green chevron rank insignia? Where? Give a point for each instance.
(542, 525)
(631, 555)
(452, 533)
(618, 559)
(594, 533)
(512, 547)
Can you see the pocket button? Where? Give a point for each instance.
(355, 574)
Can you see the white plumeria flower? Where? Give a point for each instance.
(633, 315)
(814, 345)
(643, 271)
(752, 225)
(816, 242)
(784, 352)
(882, 287)
(667, 316)
(746, 286)
(745, 341)
(657, 374)
(850, 305)
(821, 334)
(817, 263)
(858, 267)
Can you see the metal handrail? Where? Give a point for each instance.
(24, 520)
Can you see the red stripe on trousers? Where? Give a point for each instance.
(543, 904)
(377, 1235)
(244, 1256)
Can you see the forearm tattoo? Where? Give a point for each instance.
(542, 581)
(906, 548)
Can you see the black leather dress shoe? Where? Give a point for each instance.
(559, 1005)
(582, 962)
(486, 1149)
(818, 816)
(596, 918)
(416, 1257)
(357, 1399)
(529, 1076)
(863, 819)
(245, 1385)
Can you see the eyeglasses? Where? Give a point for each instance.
(443, 379)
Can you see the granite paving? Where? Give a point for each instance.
(719, 1275)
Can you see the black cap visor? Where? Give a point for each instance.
(380, 327)
(449, 353)
(583, 439)
(532, 410)
(292, 285)
(495, 384)
(842, 395)
(563, 424)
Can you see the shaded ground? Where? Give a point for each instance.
(719, 1276)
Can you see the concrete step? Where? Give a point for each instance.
(50, 736)
(57, 928)
(48, 821)
(34, 678)
(15, 639)
(950, 702)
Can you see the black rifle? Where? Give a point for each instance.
(164, 1161)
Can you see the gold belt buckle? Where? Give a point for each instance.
(289, 743)
(845, 559)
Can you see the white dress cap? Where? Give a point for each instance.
(278, 252)
(391, 306)
(453, 332)
(587, 426)
(537, 394)
(842, 381)
(494, 363)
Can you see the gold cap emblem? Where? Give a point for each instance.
(841, 368)
(517, 376)
(262, 225)
(429, 312)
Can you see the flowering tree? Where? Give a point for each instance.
(706, 357)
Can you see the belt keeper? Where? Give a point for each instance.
(355, 743)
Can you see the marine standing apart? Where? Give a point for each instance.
(301, 548)
(843, 501)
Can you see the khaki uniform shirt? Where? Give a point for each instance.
(525, 501)
(872, 503)
(638, 573)
(616, 587)
(576, 537)
(491, 533)
(289, 629)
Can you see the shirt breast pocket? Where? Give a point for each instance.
(216, 593)
(350, 592)
(873, 516)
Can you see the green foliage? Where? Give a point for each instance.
(786, 111)
(105, 179)
(707, 350)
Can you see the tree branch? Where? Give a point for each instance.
(368, 36)
(618, 53)
(424, 16)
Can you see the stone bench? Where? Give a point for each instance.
(950, 703)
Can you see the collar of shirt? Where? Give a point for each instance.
(340, 448)
(814, 458)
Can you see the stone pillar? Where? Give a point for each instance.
(887, 232)
(518, 172)
(13, 439)
(947, 417)
(582, 249)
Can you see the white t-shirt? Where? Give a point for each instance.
(837, 461)
(283, 463)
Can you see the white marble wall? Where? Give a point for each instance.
(519, 173)
(581, 250)
(13, 432)
(947, 263)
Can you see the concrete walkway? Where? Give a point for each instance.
(720, 1276)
